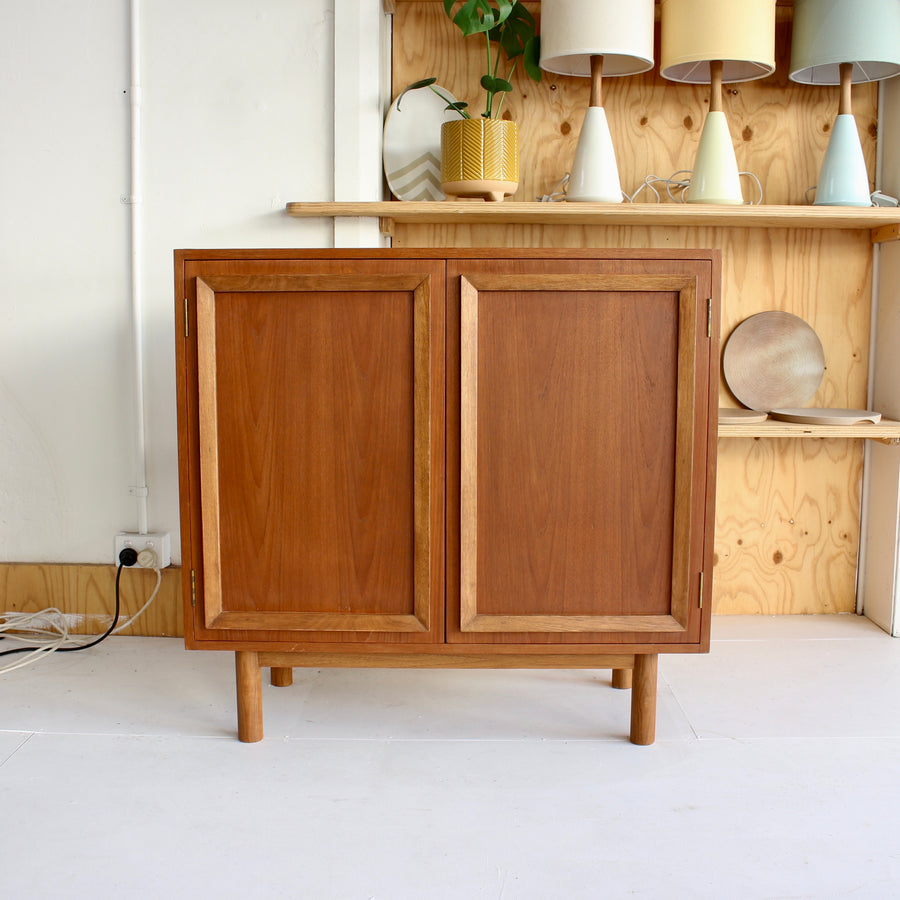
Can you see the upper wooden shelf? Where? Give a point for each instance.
(883, 223)
(886, 431)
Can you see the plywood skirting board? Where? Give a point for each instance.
(86, 594)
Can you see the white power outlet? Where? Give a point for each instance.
(154, 550)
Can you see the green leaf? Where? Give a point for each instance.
(478, 16)
(495, 85)
(425, 82)
(419, 84)
(532, 58)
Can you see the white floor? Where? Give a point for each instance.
(776, 774)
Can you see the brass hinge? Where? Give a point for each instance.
(709, 317)
(701, 589)
(187, 327)
(193, 589)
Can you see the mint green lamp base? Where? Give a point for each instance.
(843, 180)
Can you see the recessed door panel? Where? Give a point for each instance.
(577, 446)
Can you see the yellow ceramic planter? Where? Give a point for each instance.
(479, 158)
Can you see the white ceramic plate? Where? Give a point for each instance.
(412, 144)
(826, 416)
(729, 416)
(773, 360)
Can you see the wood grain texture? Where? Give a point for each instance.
(643, 699)
(545, 391)
(880, 222)
(823, 276)
(313, 425)
(551, 523)
(248, 682)
(86, 594)
(449, 658)
(787, 531)
(315, 429)
(780, 129)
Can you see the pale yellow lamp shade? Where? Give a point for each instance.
(621, 31)
(696, 32)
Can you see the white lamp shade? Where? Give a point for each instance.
(696, 32)
(830, 32)
(621, 31)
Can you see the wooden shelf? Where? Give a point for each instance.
(883, 223)
(886, 431)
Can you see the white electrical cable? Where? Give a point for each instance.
(48, 630)
(141, 611)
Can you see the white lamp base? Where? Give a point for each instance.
(595, 175)
(843, 180)
(715, 177)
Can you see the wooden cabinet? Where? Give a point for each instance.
(432, 458)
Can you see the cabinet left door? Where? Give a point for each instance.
(311, 443)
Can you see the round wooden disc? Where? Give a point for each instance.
(773, 360)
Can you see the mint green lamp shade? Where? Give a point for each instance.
(715, 42)
(842, 42)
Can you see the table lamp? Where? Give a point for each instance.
(596, 39)
(713, 42)
(841, 42)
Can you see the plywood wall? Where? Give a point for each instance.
(86, 593)
(787, 530)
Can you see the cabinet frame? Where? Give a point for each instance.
(199, 274)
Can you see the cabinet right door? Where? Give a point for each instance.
(581, 450)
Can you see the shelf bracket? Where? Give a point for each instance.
(885, 233)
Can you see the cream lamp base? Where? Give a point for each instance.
(595, 175)
(715, 176)
(843, 180)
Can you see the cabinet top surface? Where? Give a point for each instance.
(439, 253)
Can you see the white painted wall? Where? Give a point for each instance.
(238, 119)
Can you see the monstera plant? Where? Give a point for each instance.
(480, 155)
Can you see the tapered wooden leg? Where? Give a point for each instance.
(249, 696)
(621, 679)
(282, 676)
(643, 699)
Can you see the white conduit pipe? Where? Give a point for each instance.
(866, 486)
(139, 490)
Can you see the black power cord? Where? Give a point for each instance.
(127, 557)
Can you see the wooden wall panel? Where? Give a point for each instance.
(787, 526)
(86, 593)
(788, 512)
(780, 129)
